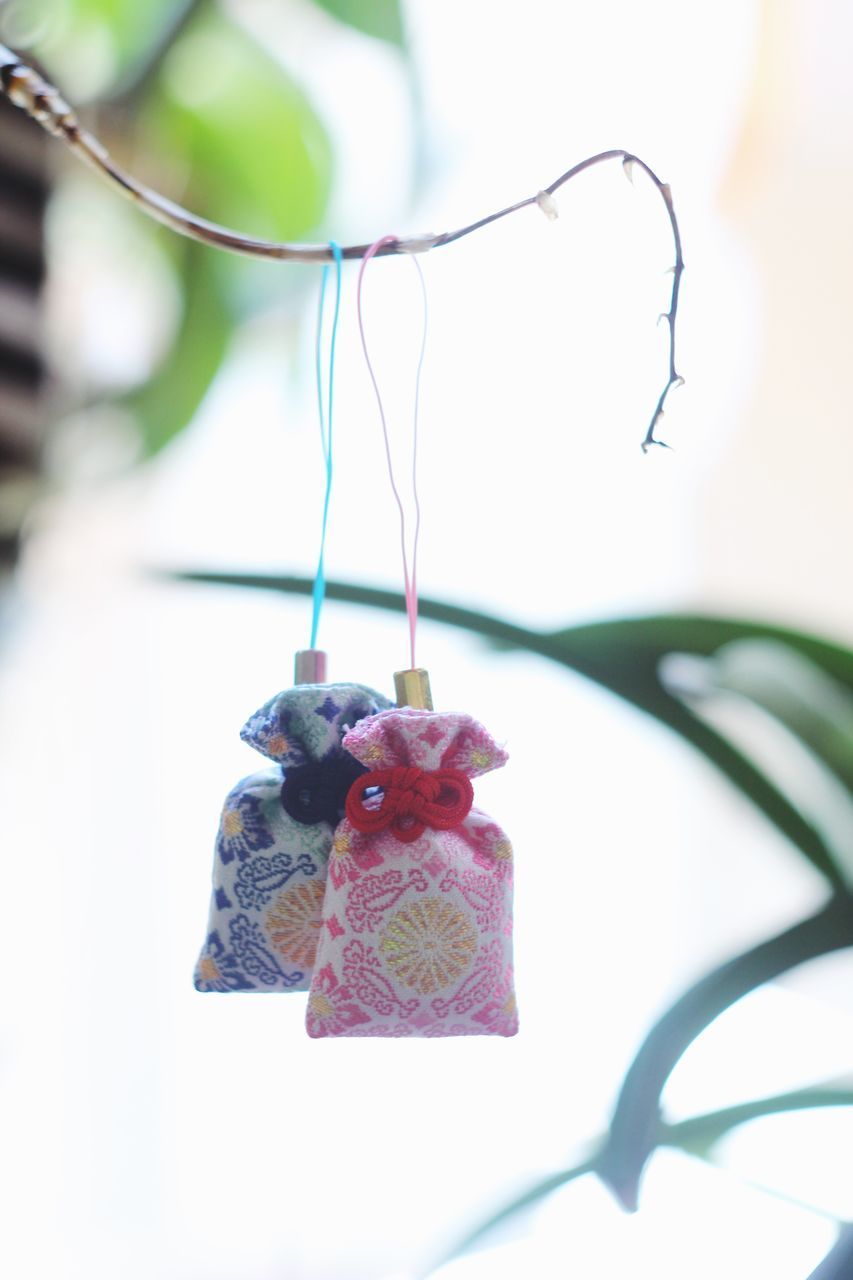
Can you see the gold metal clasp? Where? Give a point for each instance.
(412, 689)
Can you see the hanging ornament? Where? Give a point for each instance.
(416, 937)
(275, 837)
(277, 826)
(417, 921)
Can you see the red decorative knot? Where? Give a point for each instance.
(412, 800)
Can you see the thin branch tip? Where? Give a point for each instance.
(28, 90)
(650, 438)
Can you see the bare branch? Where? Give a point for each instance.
(28, 90)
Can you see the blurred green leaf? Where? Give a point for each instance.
(130, 26)
(695, 1136)
(380, 18)
(257, 156)
(169, 400)
(838, 1263)
(698, 1135)
(803, 735)
(526, 1200)
(635, 1125)
(253, 154)
(116, 37)
(814, 706)
(627, 656)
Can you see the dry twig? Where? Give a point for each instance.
(27, 89)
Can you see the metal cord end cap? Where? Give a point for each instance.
(310, 666)
(412, 689)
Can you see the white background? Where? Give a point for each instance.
(151, 1131)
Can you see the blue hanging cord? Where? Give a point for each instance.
(326, 436)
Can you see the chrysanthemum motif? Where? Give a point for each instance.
(429, 944)
(294, 920)
(332, 1011)
(492, 850)
(350, 855)
(277, 745)
(473, 750)
(217, 968)
(242, 830)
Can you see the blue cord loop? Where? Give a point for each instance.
(326, 436)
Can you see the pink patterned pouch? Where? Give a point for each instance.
(416, 937)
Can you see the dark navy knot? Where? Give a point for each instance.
(317, 792)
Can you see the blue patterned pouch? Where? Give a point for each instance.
(275, 837)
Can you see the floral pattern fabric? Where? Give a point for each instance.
(416, 937)
(270, 868)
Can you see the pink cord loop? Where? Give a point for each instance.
(410, 576)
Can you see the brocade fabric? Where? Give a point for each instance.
(416, 937)
(270, 866)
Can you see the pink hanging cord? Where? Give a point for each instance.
(410, 579)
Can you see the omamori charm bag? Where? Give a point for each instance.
(274, 839)
(417, 922)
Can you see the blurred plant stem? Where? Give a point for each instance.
(635, 1126)
(838, 1263)
(695, 1136)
